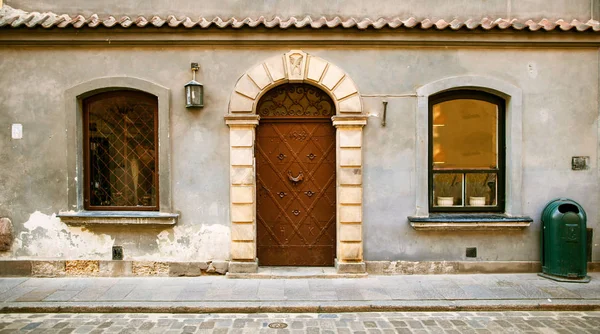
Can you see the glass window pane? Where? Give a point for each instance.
(465, 134)
(447, 189)
(481, 189)
(122, 150)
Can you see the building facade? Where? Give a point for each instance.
(383, 138)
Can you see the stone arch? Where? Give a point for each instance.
(514, 135)
(291, 67)
(296, 67)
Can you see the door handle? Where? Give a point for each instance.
(297, 179)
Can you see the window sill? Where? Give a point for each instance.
(469, 222)
(118, 218)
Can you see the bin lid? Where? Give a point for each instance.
(571, 210)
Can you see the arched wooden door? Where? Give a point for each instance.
(295, 170)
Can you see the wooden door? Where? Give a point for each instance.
(295, 168)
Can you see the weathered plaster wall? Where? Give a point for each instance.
(33, 176)
(560, 120)
(560, 114)
(436, 9)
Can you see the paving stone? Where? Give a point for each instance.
(189, 329)
(356, 326)
(146, 326)
(61, 325)
(207, 324)
(66, 330)
(414, 324)
(458, 323)
(398, 323)
(421, 322)
(429, 323)
(374, 331)
(370, 324)
(31, 326)
(451, 331)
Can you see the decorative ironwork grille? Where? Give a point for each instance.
(296, 100)
(120, 151)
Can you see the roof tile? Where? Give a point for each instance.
(15, 18)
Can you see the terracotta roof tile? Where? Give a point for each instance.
(15, 18)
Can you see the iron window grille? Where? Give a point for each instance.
(120, 150)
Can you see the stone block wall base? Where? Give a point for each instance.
(6, 228)
(458, 267)
(593, 267)
(108, 268)
(237, 267)
(350, 267)
(102, 268)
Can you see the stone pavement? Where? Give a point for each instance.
(211, 294)
(372, 322)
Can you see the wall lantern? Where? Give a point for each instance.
(194, 91)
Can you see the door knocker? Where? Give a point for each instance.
(297, 179)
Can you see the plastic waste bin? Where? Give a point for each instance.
(564, 251)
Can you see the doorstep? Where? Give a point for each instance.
(296, 272)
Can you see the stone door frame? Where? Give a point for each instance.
(296, 66)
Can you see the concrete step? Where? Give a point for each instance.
(295, 272)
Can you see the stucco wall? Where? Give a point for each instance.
(560, 120)
(435, 9)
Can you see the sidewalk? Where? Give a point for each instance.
(215, 294)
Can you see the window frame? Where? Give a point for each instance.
(502, 149)
(74, 213)
(129, 94)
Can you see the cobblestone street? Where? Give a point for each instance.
(406, 322)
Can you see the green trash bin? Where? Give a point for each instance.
(564, 252)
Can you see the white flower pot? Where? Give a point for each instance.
(476, 201)
(445, 201)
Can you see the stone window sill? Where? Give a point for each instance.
(469, 222)
(118, 218)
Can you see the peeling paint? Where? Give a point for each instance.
(47, 236)
(194, 243)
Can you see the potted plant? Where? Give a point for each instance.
(478, 190)
(443, 189)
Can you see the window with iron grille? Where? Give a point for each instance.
(120, 151)
(466, 152)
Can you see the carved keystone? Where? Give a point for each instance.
(6, 234)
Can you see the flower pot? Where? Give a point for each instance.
(445, 201)
(476, 201)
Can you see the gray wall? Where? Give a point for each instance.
(435, 9)
(560, 120)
